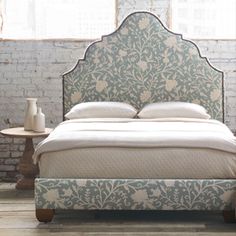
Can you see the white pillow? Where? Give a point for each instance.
(173, 109)
(101, 110)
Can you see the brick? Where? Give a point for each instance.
(4, 80)
(33, 93)
(5, 154)
(21, 80)
(12, 161)
(25, 55)
(4, 140)
(53, 93)
(8, 67)
(19, 141)
(12, 176)
(15, 154)
(6, 87)
(37, 74)
(7, 167)
(46, 74)
(25, 67)
(4, 147)
(12, 74)
(14, 147)
(21, 148)
(2, 94)
(14, 92)
(5, 56)
(2, 174)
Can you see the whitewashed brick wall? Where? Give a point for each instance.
(34, 68)
(31, 69)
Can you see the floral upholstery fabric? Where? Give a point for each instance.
(135, 194)
(142, 62)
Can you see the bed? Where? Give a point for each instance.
(140, 63)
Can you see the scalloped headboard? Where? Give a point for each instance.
(143, 62)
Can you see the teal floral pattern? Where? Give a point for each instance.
(142, 62)
(135, 194)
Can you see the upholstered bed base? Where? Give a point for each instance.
(133, 194)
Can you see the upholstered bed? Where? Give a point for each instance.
(140, 63)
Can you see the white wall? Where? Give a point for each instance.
(34, 68)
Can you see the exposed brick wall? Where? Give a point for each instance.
(34, 68)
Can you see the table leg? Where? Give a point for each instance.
(26, 167)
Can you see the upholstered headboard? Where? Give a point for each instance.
(143, 62)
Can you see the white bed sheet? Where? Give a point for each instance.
(115, 162)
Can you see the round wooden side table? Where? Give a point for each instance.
(26, 166)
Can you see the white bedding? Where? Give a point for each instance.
(134, 163)
(158, 133)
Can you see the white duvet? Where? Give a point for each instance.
(143, 133)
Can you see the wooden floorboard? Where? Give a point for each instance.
(17, 217)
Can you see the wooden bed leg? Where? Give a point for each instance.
(229, 216)
(44, 215)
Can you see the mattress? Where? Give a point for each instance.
(117, 162)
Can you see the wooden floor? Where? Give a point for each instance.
(17, 218)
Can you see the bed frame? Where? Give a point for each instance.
(141, 62)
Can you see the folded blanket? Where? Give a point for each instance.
(139, 133)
